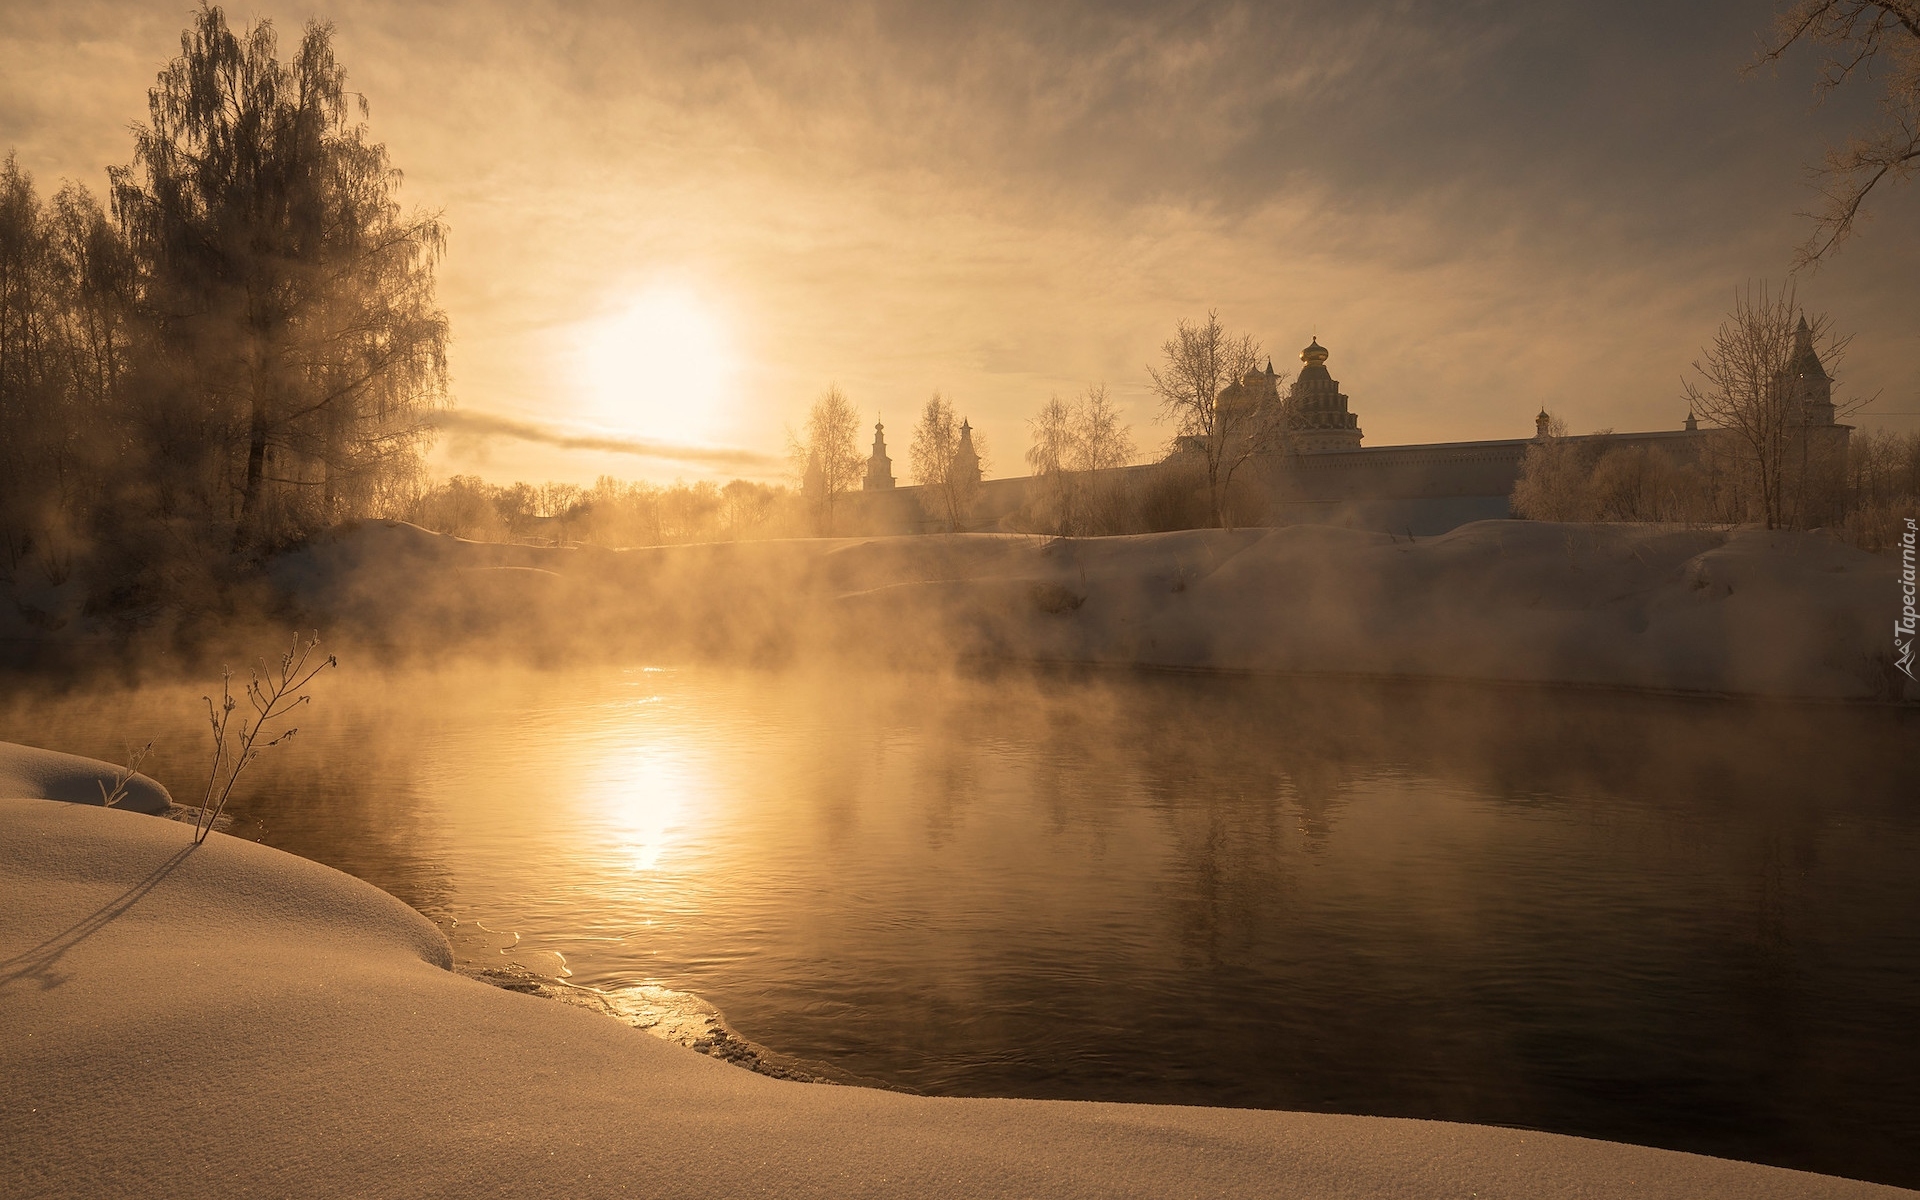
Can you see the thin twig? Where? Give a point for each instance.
(272, 694)
(123, 776)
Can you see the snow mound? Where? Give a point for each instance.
(27, 771)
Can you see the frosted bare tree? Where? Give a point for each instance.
(947, 459)
(1200, 386)
(1102, 440)
(1552, 477)
(827, 460)
(1074, 440)
(1863, 39)
(1745, 384)
(293, 294)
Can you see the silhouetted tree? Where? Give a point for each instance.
(1047, 457)
(947, 460)
(745, 506)
(291, 296)
(1073, 442)
(66, 295)
(1862, 38)
(1746, 386)
(613, 512)
(828, 459)
(1883, 486)
(34, 428)
(1217, 418)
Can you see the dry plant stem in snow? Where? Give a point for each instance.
(274, 694)
(113, 796)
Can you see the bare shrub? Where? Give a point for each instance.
(274, 693)
(1876, 526)
(1553, 477)
(123, 775)
(1174, 496)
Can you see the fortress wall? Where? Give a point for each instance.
(1400, 472)
(1421, 489)
(912, 510)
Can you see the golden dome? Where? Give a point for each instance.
(1314, 354)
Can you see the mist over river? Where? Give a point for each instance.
(1683, 923)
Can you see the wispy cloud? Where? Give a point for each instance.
(1480, 207)
(486, 425)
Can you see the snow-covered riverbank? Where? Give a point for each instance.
(234, 1020)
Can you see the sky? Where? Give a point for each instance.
(673, 225)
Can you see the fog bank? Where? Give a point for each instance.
(1740, 612)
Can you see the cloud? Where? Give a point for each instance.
(1481, 207)
(462, 424)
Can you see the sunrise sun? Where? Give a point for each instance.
(659, 365)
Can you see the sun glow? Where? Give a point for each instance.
(642, 798)
(660, 366)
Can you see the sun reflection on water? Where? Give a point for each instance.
(641, 797)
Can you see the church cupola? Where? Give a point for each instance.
(1319, 420)
(1543, 425)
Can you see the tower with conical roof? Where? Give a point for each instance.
(1815, 476)
(966, 463)
(1320, 421)
(879, 466)
(1809, 387)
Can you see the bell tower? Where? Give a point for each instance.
(966, 463)
(1320, 420)
(1809, 386)
(879, 467)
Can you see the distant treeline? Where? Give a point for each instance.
(615, 512)
(612, 512)
(1865, 497)
(239, 345)
(1773, 445)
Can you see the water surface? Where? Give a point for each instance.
(1684, 924)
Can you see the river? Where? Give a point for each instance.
(1683, 923)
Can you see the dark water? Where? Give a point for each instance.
(1684, 924)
